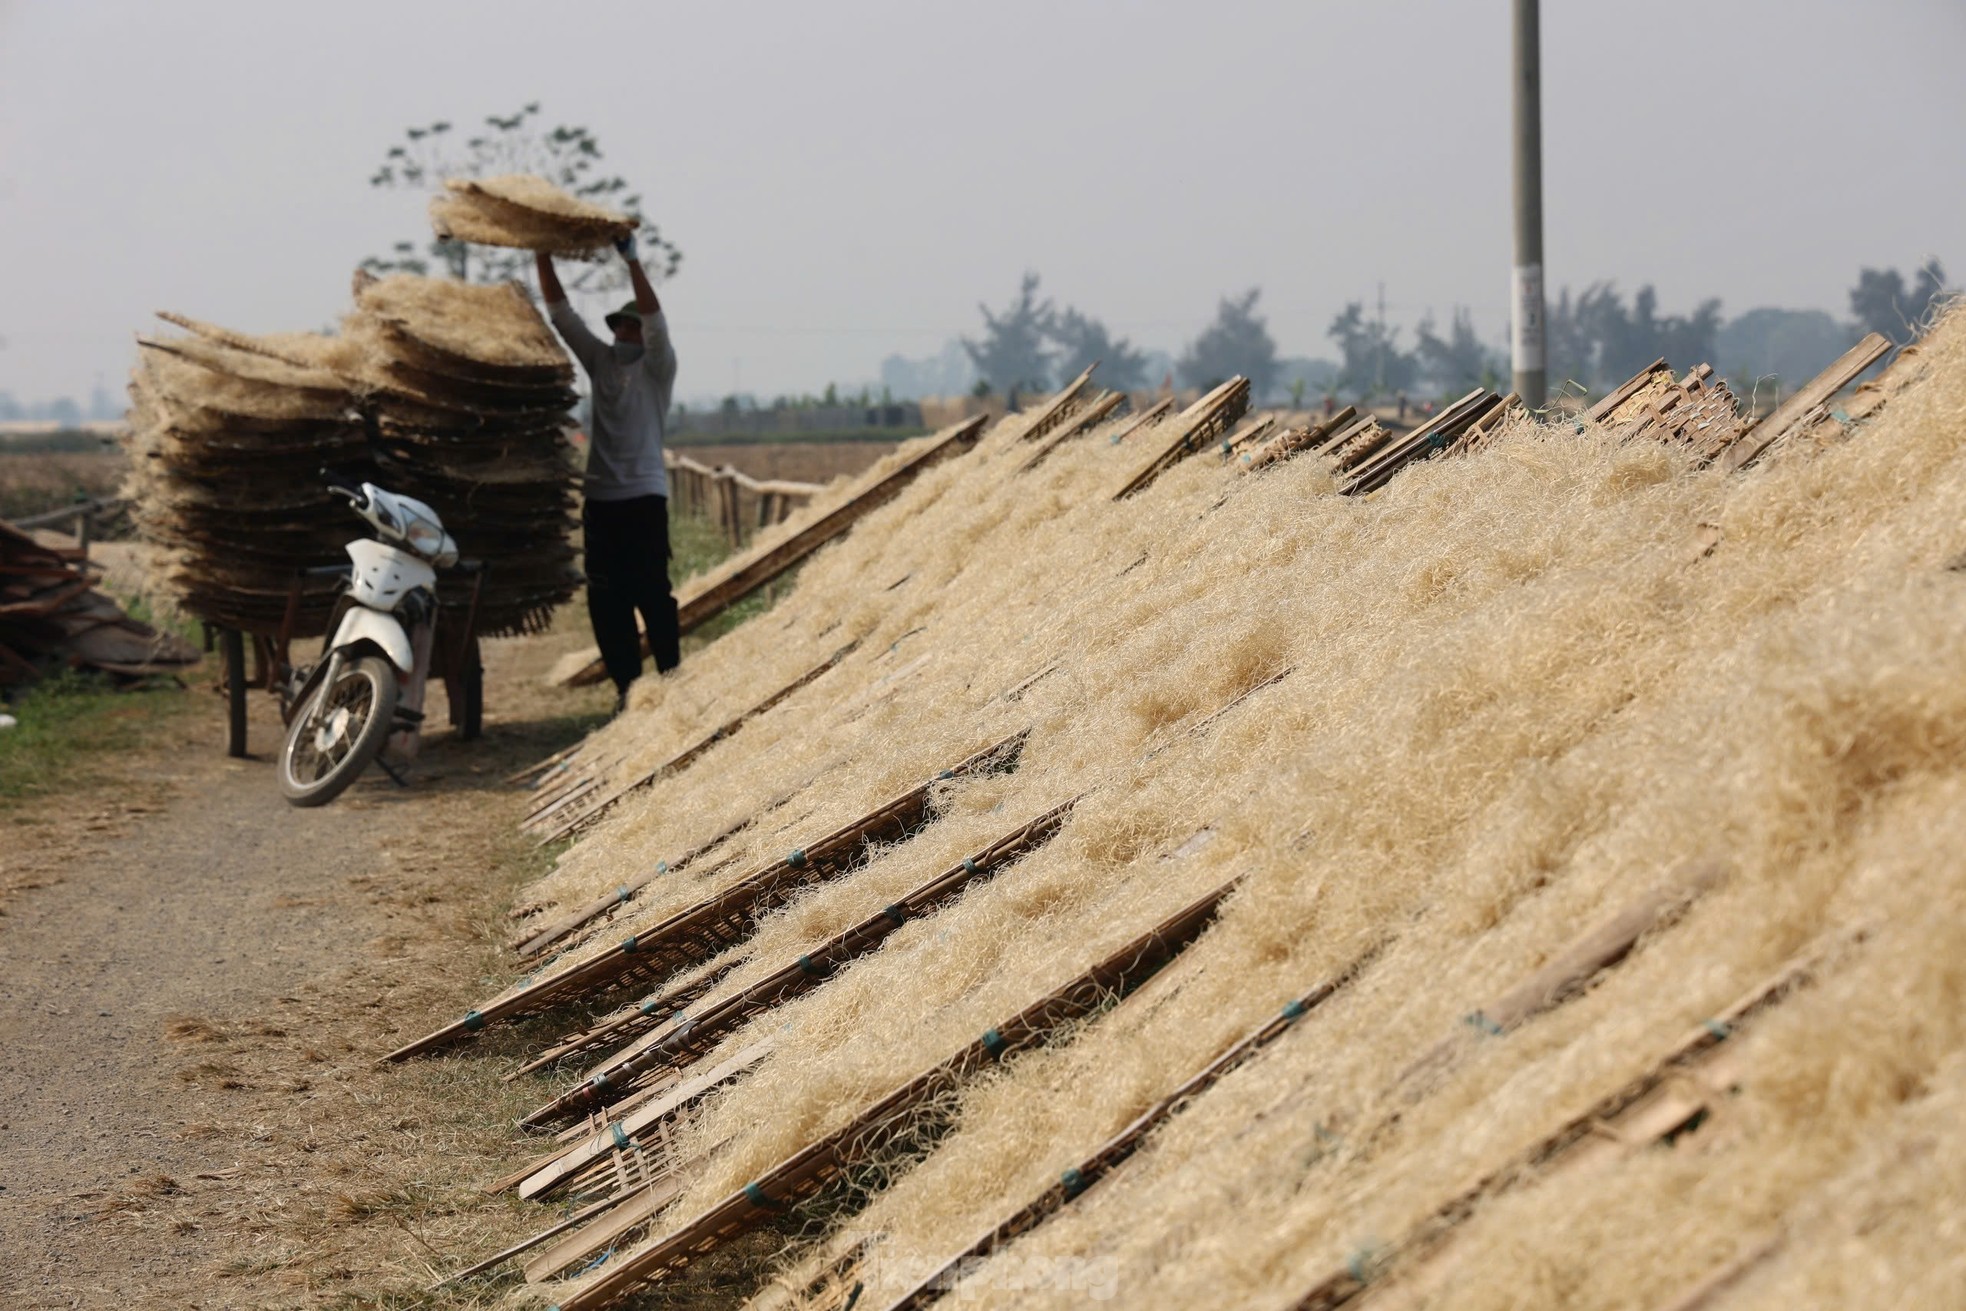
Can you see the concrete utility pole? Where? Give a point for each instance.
(1526, 286)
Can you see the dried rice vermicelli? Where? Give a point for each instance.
(526, 212)
(1512, 700)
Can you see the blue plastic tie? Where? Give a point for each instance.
(945, 776)
(1719, 1030)
(1074, 1182)
(756, 1197)
(1486, 1025)
(1358, 1264)
(599, 1083)
(622, 895)
(807, 967)
(628, 944)
(622, 1142)
(971, 866)
(1841, 417)
(1293, 1009)
(651, 1006)
(662, 867)
(797, 860)
(993, 1042)
(896, 914)
(473, 1021)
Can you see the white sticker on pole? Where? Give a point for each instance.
(1526, 318)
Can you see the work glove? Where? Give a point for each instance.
(626, 246)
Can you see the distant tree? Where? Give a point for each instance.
(1458, 361)
(1929, 289)
(1566, 347)
(1599, 341)
(64, 411)
(568, 157)
(1371, 361)
(1238, 341)
(10, 409)
(1882, 302)
(1081, 340)
(1012, 354)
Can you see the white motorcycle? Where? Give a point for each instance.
(369, 683)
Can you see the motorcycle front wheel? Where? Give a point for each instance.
(338, 731)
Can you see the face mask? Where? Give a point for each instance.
(627, 352)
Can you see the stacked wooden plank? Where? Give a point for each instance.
(1380, 460)
(226, 445)
(50, 613)
(469, 392)
(1195, 427)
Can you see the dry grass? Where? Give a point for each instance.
(1516, 701)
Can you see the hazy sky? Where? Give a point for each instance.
(846, 179)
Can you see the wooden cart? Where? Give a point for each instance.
(455, 657)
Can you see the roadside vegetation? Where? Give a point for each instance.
(71, 719)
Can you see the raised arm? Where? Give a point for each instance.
(660, 358)
(580, 339)
(645, 300)
(549, 278)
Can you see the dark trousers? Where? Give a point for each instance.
(627, 571)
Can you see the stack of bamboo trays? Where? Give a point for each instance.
(227, 435)
(469, 392)
(455, 394)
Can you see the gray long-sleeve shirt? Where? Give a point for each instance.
(631, 405)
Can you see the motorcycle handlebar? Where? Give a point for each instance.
(342, 483)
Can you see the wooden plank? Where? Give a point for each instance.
(1679, 1104)
(651, 1012)
(1083, 421)
(1147, 418)
(533, 770)
(561, 801)
(712, 595)
(543, 1181)
(1286, 444)
(1723, 1280)
(688, 756)
(1874, 393)
(540, 939)
(1059, 407)
(703, 930)
(803, 1173)
(1373, 472)
(1116, 1150)
(524, 1245)
(622, 1215)
(1566, 974)
(1819, 390)
(1249, 435)
(1348, 1281)
(1193, 428)
(694, 1037)
(1486, 426)
(1624, 391)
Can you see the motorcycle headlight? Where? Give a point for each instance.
(425, 538)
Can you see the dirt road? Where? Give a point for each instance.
(195, 980)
